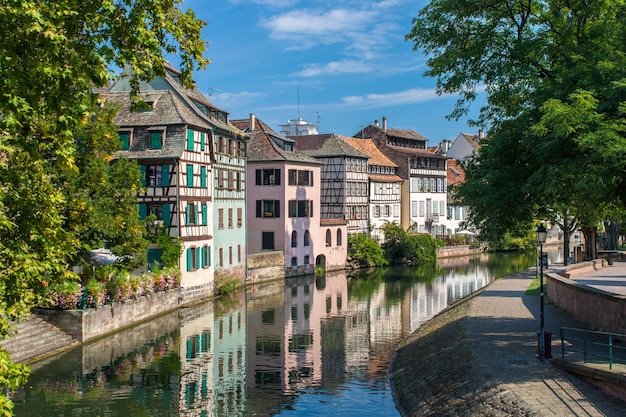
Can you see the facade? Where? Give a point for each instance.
(465, 145)
(423, 173)
(344, 182)
(384, 187)
(172, 141)
(457, 213)
(284, 204)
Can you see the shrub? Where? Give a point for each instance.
(409, 248)
(225, 285)
(66, 295)
(96, 294)
(365, 251)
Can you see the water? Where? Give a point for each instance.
(300, 347)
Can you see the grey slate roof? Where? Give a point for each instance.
(264, 145)
(327, 145)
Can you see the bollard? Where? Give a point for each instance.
(547, 344)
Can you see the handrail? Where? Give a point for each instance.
(605, 346)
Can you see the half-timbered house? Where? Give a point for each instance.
(423, 173)
(171, 138)
(344, 179)
(384, 187)
(283, 196)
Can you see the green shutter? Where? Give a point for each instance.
(208, 256)
(166, 214)
(203, 253)
(124, 141)
(143, 211)
(202, 141)
(165, 175)
(190, 140)
(143, 170)
(189, 259)
(156, 140)
(190, 176)
(187, 215)
(198, 257)
(197, 208)
(204, 214)
(203, 177)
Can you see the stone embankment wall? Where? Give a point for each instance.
(456, 251)
(84, 325)
(264, 266)
(594, 308)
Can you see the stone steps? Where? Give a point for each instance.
(34, 338)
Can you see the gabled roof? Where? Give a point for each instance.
(196, 101)
(264, 145)
(405, 133)
(456, 173)
(327, 145)
(368, 147)
(473, 140)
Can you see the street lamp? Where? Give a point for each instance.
(542, 235)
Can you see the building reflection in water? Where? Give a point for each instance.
(260, 353)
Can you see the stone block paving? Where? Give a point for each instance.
(502, 326)
(479, 358)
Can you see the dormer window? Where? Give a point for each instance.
(125, 138)
(157, 137)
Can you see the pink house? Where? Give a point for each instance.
(283, 201)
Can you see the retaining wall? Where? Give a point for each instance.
(84, 325)
(598, 310)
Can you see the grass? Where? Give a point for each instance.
(533, 288)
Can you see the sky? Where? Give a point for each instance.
(340, 64)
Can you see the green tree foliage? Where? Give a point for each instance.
(365, 251)
(52, 55)
(555, 77)
(407, 248)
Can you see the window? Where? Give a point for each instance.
(307, 259)
(192, 214)
(441, 208)
(190, 140)
(268, 208)
(239, 216)
(239, 254)
(300, 177)
(386, 210)
(300, 208)
(339, 238)
(156, 140)
(439, 185)
(396, 211)
(191, 259)
(221, 257)
(421, 209)
(294, 262)
(157, 175)
(220, 218)
(413, 208)
(230, 255)
(433, 185)
(220, 145)
(425, 185)
(328, 237)
(268, 177)
(376, 211)
(124, 140)
(294, 239)
(419, 185)
(189, 175)
(207, 250)
(307, 238)
(267, 240)
(230, 218)
(242, 149)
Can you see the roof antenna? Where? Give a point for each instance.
(298, 101)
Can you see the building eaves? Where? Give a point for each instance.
(368, 147)
(327, 145)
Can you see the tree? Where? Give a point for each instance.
(554, 73)
(53, 54)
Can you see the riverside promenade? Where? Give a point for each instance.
(479, 358)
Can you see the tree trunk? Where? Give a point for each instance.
(566, 237)
(590, 242)
(612, 234)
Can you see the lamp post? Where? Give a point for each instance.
(542, 235)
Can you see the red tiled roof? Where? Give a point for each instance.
(455, 174)
(368, 147)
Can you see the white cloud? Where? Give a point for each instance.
(335, 68)
(374, 100)
(228, 100)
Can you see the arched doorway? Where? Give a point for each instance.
(320, 261)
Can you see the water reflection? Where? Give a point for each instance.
(304, 346)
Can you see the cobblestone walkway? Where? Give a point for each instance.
(479, 359)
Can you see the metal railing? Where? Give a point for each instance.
(595, 347)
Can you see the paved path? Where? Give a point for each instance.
(502, 326)
(609, 278)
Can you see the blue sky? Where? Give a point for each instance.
(346, 62)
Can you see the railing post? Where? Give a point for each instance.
(562, 332)
(610, 351)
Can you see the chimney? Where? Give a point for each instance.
(252, 122)
(481, 134)
(384, 124)
(376, 123)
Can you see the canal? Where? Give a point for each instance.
(299, 347)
